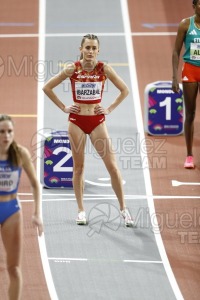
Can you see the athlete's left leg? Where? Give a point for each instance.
(102, 143)
(190, 90)
(11, 231)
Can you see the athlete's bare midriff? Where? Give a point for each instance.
(4, 198)
(86, 109)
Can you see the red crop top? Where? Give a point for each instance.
(87, 87)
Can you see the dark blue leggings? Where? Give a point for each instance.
(8, 208)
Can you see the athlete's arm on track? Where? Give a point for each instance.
(28, 167)
(182, 30)
(120, 85)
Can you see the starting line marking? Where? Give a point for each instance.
(36, 35)
(69, 259)
(71, 197)
(23, 116)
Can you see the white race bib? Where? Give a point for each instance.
(88, 91)
(195, 51)
(9, 181)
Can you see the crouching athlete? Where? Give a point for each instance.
(14, 158)
(87, 116)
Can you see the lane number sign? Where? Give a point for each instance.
(164, 109)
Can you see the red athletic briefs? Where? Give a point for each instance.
(86, 123)
(190, 73)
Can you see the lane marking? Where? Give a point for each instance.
(153, 33)
(178, 183)
(40, 110)
(112, 198)
(126, 196)
(119, 64)
(69, 259)
(19, 35)
(102, 34)
(140, 127)
(104, 197)
(154, 25)
(35, 35)
(101, 184)
(15, 24)
(143, 261)
(115, 64)
(23, 116)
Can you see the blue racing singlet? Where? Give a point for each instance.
(192, 44)
(9, 178)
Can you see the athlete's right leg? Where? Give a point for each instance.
(77, 142)
(190, 90)
(11, 231)
(102, 143)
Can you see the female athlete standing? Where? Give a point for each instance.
(189, 34)
(87, 116)
(14, 158)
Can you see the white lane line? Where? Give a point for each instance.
(178, 183)
(153, 33)
(126, 196)
(19, 35)
(64, 259)
(143, 261)
(35, 35)
(101, 184)
(16, 24)
(67, 259)
(40, 110)
(139, 122)
(103, 197)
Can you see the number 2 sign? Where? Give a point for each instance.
(164, 109)
(57, 165)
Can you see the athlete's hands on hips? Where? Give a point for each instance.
(99, 110)
(175, 86)
(37, 222)
(75, 109)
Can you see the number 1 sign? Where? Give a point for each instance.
(164, 109)
(57, 163)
